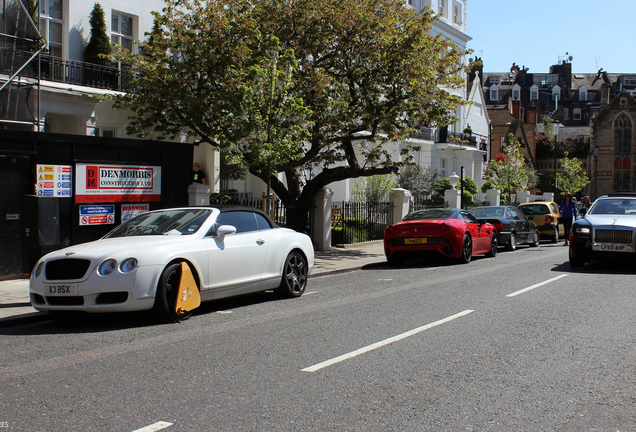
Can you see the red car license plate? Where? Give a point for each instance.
(410, 241)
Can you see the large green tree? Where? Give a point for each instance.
(370, 71)
(573, 178)
(509, 170)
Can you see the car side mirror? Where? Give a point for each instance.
(225, 230)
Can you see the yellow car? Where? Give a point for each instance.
(545, 215)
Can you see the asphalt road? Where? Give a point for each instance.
(514, 343)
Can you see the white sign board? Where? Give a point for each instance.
(117, 183)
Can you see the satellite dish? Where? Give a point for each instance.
(570, 58)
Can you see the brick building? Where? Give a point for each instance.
(613, 144)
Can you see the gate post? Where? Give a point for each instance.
(322, 220)
(401, 199)
(493, 197)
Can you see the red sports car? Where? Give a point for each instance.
(453, 233)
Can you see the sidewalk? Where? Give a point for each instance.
(14, 294)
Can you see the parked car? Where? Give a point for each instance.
(512, 226)
(229, 250)
(607, 231)
(545, 215)
(452, 233)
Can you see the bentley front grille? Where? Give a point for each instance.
(66, 269)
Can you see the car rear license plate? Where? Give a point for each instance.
(611, 247)
(410, 241)
(62, 290)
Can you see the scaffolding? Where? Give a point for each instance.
(20, 47)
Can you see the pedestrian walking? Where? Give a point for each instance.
(567, 213)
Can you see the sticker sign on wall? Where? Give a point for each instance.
(97, 215)
(129, 211)
(54, 180)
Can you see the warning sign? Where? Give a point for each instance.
(97, 215)
(54, 180)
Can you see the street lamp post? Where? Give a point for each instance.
(555, 133)
(595, 153)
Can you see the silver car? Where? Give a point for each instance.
(606, 231)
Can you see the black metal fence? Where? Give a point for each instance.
(85, 74)
(284, 214)
(356, 222)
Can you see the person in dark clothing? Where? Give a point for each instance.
(568, 213)
(198, 176)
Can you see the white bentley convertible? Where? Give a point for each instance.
(141, 264)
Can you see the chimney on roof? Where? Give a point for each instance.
(605, 94)
(567, 74)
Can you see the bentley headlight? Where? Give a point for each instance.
(38, 269)
(107, 267)
(128, 265)
(582, 230)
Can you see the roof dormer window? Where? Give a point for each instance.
(583, 93)
(516, 92)
(556, 93)
(494, 79)
(494, 93)
(534, 92)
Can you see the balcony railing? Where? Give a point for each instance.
(459, 138)
(424, 134)
(67, 71)
(85, 74)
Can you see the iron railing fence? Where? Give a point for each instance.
(360, 221)
(85, 74)
(283, 214)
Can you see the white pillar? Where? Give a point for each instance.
(523, 197)
(199, 195)
(322, 220)
(401, 200)
(493, 197)
(453, 198)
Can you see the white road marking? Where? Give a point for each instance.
(536, 286)
(380, 344)
(224, 312)
(154, 427)
(310, 293)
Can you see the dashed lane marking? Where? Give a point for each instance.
(154, 427)
(516, 293)
(385, 342)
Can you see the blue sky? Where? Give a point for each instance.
(597, 33)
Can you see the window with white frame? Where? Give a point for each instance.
(534, 92)
(576, 114)
(51, 24)
(516, 92)
(121, 30)
(494, 79)
(457, 13)
(441, 8)
(494, 93)
(442, 167)
(583, 93)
